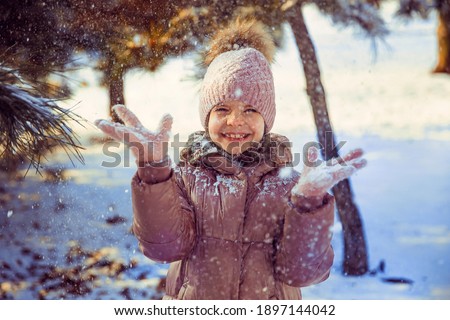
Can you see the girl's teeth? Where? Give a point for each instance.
(235, 136)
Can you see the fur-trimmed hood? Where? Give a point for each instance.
(273, 151)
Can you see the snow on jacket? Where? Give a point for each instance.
(231, 230)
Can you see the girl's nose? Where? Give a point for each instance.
(235, 119)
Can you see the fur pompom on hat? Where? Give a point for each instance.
(239, 69)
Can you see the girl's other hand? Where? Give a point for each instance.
(146, 145)
(316, 179)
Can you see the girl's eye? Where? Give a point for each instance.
(220, 109)
(250, 110)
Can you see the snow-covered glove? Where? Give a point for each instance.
(316, 180)
(146, 146)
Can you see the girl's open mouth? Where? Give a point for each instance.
(236, 136)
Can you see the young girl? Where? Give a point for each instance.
(232, 217)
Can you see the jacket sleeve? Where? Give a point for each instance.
(163, 220)
(304, 254)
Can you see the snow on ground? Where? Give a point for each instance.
(70, 237)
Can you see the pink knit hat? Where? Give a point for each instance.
(242, 74)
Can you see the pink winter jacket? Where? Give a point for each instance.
(231, 231)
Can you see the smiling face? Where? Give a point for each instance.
(233, 125)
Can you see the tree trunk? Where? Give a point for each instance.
(114, 79)
(443, 35)
(355, 252)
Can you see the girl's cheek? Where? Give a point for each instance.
(215, 123)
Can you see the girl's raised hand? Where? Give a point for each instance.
(316, 179)
(146, 145)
